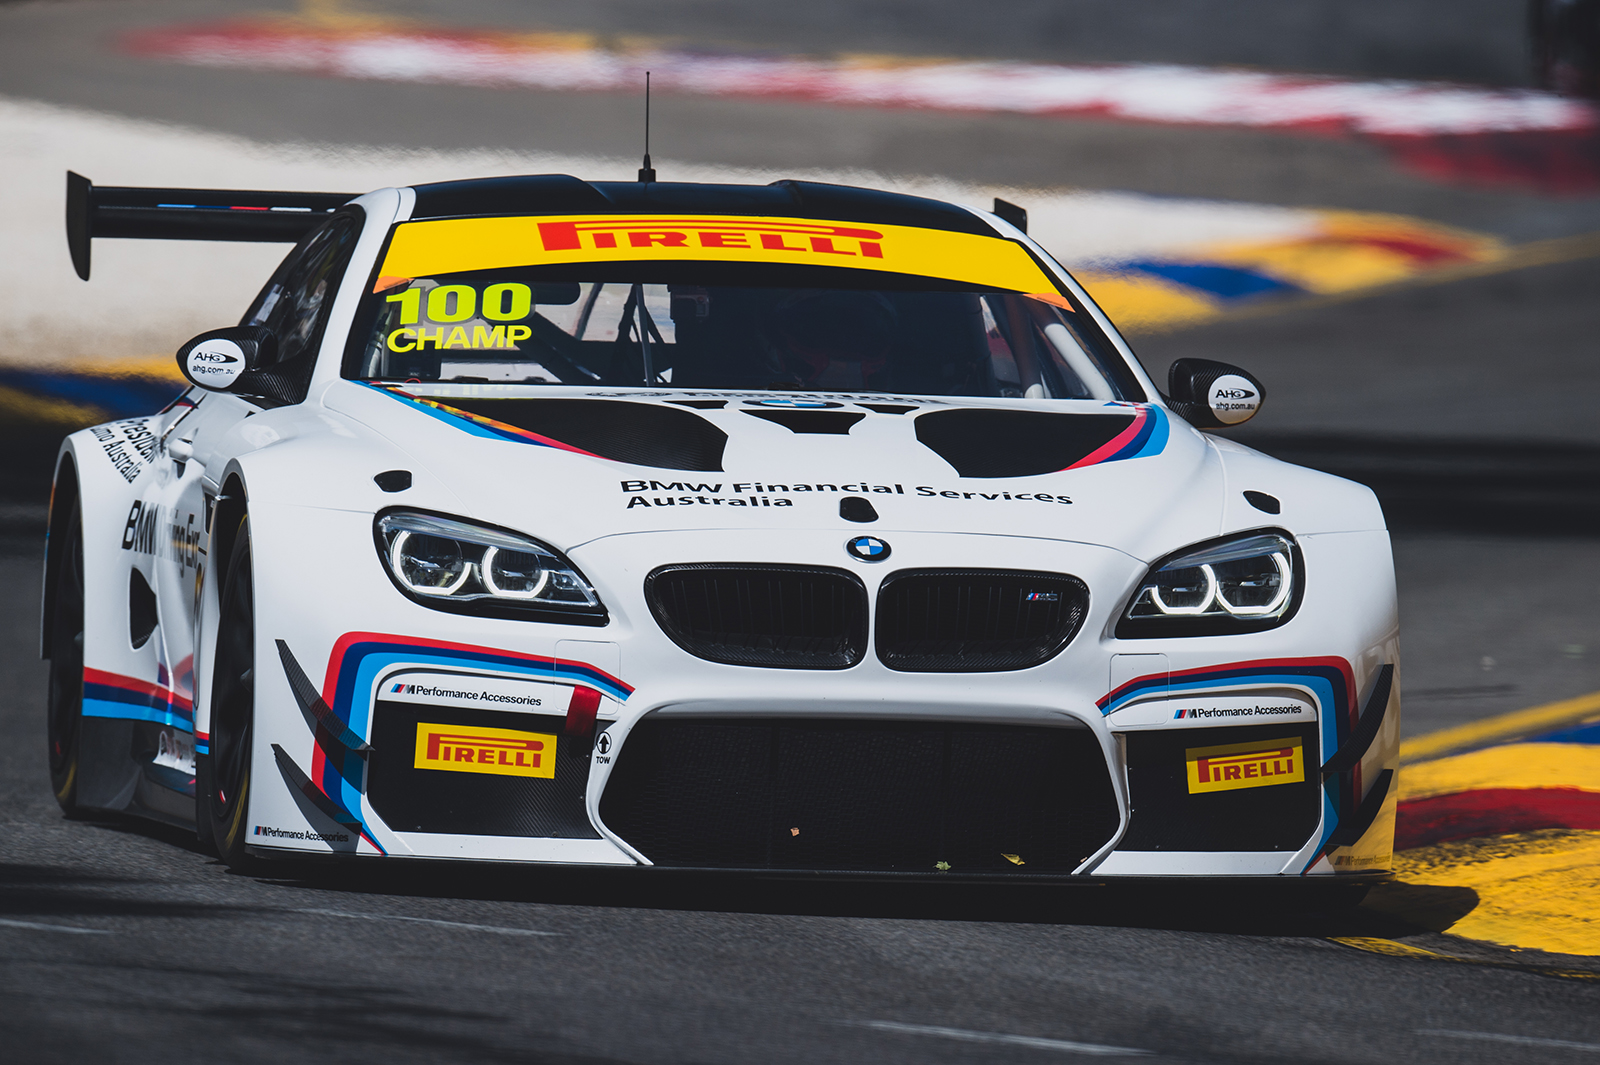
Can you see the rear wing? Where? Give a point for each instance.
(189, 214)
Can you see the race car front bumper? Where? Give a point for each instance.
(650, 756)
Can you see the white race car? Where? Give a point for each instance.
(793, 527)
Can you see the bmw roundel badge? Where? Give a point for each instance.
(867, 548)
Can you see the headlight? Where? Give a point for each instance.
(1241, 584)
(475, 569)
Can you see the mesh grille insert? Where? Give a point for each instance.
(976, 621)
(789, 617)
(860, 796)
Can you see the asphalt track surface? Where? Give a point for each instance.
(1468, 405)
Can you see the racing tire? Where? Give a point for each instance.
(224, 792)
(64, 711)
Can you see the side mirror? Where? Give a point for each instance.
(1213, 395)
(217, 360)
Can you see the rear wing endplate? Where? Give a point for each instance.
(189, 214)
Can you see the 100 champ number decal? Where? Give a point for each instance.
(762, 494)
(448, 304)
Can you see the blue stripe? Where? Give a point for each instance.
(130, 712)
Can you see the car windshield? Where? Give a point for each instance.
(488, 327)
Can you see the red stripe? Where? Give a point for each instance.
(1260, 665)
(1117, 443)
(330, 684)
(134, 684)
(1494, 812)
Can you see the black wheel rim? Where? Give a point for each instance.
(233, 698)
(65, 708)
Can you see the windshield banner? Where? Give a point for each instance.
(456, 245)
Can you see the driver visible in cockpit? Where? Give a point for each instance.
(833, 339)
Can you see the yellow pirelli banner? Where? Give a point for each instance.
(495, 751)
(456, 245)
(1245, 765)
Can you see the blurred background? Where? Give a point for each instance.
(1380, 207)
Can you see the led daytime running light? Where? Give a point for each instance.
(486, 575)
(1214, 596)
(1285, 583)
(1183, 611)
(397, 564)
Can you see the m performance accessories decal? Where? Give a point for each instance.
(455, 245)
(1229, 767)
(1195, 713)
(498, 751)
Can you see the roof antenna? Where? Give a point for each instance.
(647, 172)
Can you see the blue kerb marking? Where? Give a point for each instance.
(1589, 733)
(119, 396)
(1226, 283)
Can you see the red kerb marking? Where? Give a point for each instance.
(1493, 812)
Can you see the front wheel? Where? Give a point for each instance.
(65, 710)
(224, 794)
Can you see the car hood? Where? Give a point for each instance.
(572, 465)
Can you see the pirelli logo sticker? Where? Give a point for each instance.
(1260, 764)
(453, 245)
(498, 751)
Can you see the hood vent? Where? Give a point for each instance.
(643, 434)
(783, 617)
(984, 442)
(976, 621)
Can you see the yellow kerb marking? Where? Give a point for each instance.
(1528, 722)
(1141, 303)
(1536, 890)
(1384, 946)
(1520, 765)
(20, 408)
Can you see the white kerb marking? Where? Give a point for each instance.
(1036, 1042)
(496, 929)
(37, 926)
(1519, 1040)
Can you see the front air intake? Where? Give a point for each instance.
(784, 617)
(873, 795)
(976, 621)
